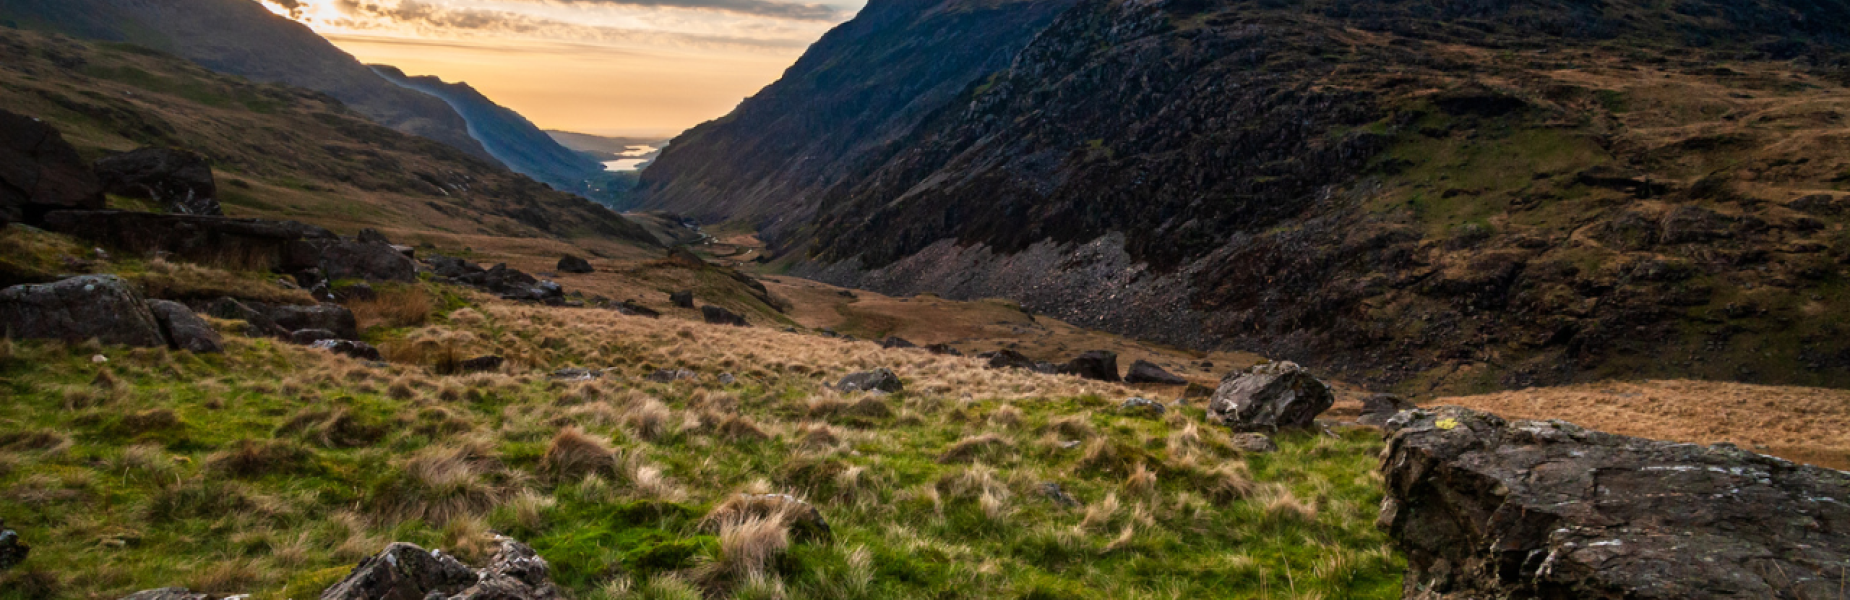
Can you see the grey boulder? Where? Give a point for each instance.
(104, 307)
(181, 181)
(573, 264)
(881, 379)
(1270, 397)
(185, 330)
(1099, 365)
(329, 316)
(403, 572)
(1144, 371)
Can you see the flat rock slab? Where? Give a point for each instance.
(1488, 508)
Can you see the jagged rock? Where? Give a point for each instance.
(259, 324)
(1098, 365)
(371, 261)
(1143, 406)
(573, 264)
(331, 317)
(40, 172)
(1377, 409)
(576, 374)
(1487, 508)
(1254, 443)
(1007, 359)
(480, 364)
(893, 341)
(12, 551)
(403, 572)
(1054, 492)
(180, 180)
(881, 379)
(359, 350)
(637, 310)
(670, 375)
(943, 349)
(257, 244)
(104, 307)
(185, 330)
(306, 337)
(1270, 397)
(720, 316)
(1144, 371)
(170, 593)
(444, 266)
(515, 572)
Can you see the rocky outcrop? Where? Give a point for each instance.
(1100, 365)
(259, 324)
(371, 260)
(325, 316)
(1008, 359)
(1270, 397)
(720, 316)
(40, 172)
(1144, 371)
(1488, 508)
(515, 572)
(573, 264)
(104, 307)
(403, 572)
(185, 330)
(181, 181)
(1378, 408)
(253, 244)
(881, 379)
(510, 284)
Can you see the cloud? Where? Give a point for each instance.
(435, 22)
(763, 8)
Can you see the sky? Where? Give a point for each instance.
(634, 68)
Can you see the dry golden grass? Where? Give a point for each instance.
(1809, 425)
(573, 453)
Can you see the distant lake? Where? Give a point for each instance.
(634, 158)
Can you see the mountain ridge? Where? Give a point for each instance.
(505, 134)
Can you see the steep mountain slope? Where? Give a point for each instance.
(283, 152)
(240, 37)
(863, 85)
(507, 135)
(1429, 194)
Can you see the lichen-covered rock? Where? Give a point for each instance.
(1099, 365)
(1270, 397)
(104, 307)
(185, 330)
(1144, 371)
(515, 572)
(881, 379)
(1487, 508)
(403, 572)
(720, 316)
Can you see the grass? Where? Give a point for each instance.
(271, 468)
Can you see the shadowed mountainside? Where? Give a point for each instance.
(1432, 195)
(507, 135)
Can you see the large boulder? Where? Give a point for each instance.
(403, 572)
(104, 307)
(573, 264)
(881, 379)
(40, 172)
(331, 317)
(1378, 408)
(1098, 365)
(1144, 371)
(515, 572)
(1487, 508)
(444, 266)
(368, 260)
(1270, 397)
(251, 244)
(258, 322)
(179, 180)
(683, 298)
(720, 316)
(1007, 359)
(185, 330)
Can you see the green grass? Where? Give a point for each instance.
(272, 468)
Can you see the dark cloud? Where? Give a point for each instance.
(766, 8)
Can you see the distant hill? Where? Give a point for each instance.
(603, 145)
(511, 138)
(240, 37)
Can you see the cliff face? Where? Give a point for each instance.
(860, 88)
(511, 138)
(240, 37)
(1429, 194)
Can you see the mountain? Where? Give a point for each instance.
(281, 152)
(1431, 195)
(605, 147)
(864, 85)
(240, 37)
(511, 138)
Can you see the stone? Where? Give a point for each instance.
(332, 317)
(720, 316)
(180, 180)
(671, 375)
(1253, 443)
(1007, 359)
(12, 551)
(104, 307)
(633, 309)
(1487, 508)
(359, 350)
(185, 330)
(258, 323)
(370, 261)
(1378, 408)
(1270, 397)
(1054, 492)
(573, 264)
(683, 298)
(1144, 371)
(515, 572)
(893, 341)
(252, 244)
(170, 593)
(881, 379)
(943, 350)
(1144, 406)
(444, 266)
(403, 572)
(1099, 365)
(40, 172)
(306, 337)
(358, 292)
(481, 364)
(727, 379)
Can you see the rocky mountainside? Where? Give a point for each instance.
(511, 138)
(282, 152)
(240, 37)
(863, 86)
(1434, 195)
